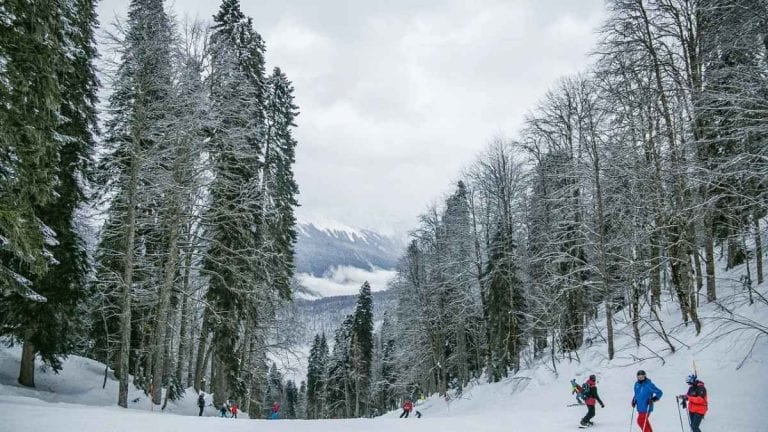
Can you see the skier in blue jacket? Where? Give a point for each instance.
(646, 393)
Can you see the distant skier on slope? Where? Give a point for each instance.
(646, 393)
(201, 403)
(275, 411)
(224, 409)
(577, 390)
(696, 401)
(407, 408)
(591, 397)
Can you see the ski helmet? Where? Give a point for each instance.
(691, 379)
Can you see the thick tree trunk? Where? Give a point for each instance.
(183, 354)
(699, 279)
(219, 380)
(655, 270)
(609, 328)
(697, 269)
(201, 354)
(736, 252)
(758, 251)
(161, 320)
(680, 261)
(709, 250)
(27, 369)
(125, 316)
(636, 312)
(662, 332)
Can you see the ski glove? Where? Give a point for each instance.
(633, 403)
(654, 399)
(602, 405)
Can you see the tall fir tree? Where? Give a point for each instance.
(317, 378)
(504, 307)
(291, 400)
(237, 293)
(134, 131)
(51, 329)
(301, 407)
(361, 355)
(339, 385)
(279, 187)
(31, 52)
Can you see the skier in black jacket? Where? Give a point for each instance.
(201, 403)
(591, 396)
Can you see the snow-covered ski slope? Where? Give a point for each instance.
(731, 359)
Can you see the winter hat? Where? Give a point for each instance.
(641, 372)
(593, 378)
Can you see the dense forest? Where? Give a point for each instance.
(157, 235)
(189, 174)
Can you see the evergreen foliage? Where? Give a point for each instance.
(53, 327)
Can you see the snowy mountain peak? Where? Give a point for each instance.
(324, 245)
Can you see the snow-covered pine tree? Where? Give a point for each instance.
(505, 306)
(340, 384)
(317, 378)
(275, 392)
(301, 405)
(137, 112)
(237, 295)
(52, 328)
(279, 188)
(31, 48)
(383, 392)
(361, 349)
(418, 330)
(459, 289)
(291, 400)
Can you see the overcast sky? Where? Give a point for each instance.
(398, 96)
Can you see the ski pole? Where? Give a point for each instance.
(631, 418)
(680, 414)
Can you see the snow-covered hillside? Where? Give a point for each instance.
(731, 356)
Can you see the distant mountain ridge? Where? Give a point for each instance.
(321, 247)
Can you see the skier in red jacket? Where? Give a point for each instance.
(696, 399)
(591, 397)
(407, 408)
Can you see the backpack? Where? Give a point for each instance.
(584, 390)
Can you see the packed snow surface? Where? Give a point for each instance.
(730, 357)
